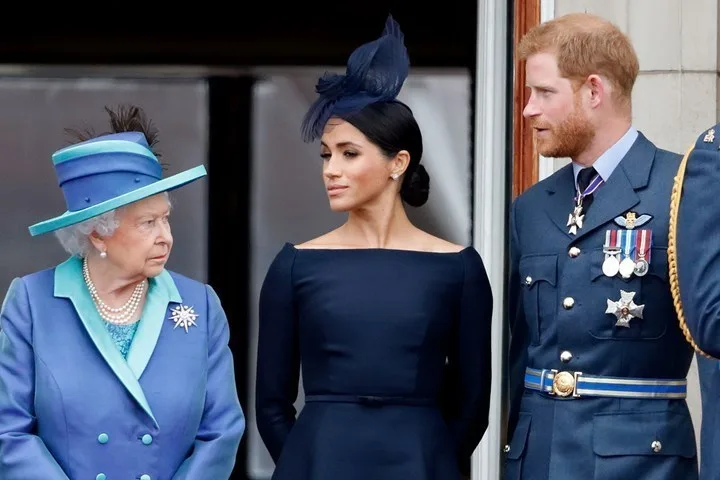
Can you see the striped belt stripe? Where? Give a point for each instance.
(604, 386)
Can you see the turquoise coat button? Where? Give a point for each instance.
(145, 477)
(102, 438)
(147, 439)
(100, 476)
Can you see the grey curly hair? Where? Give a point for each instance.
(75, 239)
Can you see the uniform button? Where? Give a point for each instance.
(566, 356)
(147, 439)
(568, 303)
(656, 446)
(506, 449)
(145, 477)
(528, 280)
(100, 476)
(103, 438)
(574, 252)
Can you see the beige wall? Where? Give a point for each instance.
(676, 94)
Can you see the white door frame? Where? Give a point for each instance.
(491, 205)
(546, 166)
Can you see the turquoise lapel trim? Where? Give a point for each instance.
(161, 291)
(69, 284)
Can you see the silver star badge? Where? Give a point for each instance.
(184, 317)
(625, 309)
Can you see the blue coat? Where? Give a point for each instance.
(73, 407)
(558, 300)
(698, 261)
(709, 373)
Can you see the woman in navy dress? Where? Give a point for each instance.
(391, 324)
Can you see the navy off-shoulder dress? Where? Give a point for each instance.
(395, 354)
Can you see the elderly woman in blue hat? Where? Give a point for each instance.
(111, 366)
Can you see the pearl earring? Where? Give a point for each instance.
(394, 176)
(103, 254)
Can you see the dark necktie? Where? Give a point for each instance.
(585, 176)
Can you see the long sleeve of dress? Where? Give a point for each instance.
(23, 455)
(278, 358)
(468, 368)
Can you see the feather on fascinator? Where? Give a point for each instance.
(375, 73)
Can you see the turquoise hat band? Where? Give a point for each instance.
(71, 218)
(101, 147)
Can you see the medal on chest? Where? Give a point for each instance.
(627, 252)
(624, 309)
(576, 218)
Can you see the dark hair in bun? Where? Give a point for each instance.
(392, 127)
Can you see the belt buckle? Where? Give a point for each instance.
(564, 383)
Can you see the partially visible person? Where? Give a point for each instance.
(598, 363)
(694, 268)
(111, 366)
(390, 324)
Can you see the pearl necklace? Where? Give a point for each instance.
(117, 316)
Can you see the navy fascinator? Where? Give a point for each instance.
(375, 73)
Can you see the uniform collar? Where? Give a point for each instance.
(606, 163)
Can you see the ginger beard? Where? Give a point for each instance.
(567, 139)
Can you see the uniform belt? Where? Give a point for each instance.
(371, 400)
(578, 384)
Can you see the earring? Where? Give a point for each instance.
(394, 176)
(103, 254)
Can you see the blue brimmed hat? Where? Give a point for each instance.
(108, 172)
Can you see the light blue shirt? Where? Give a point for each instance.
(610, 159)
